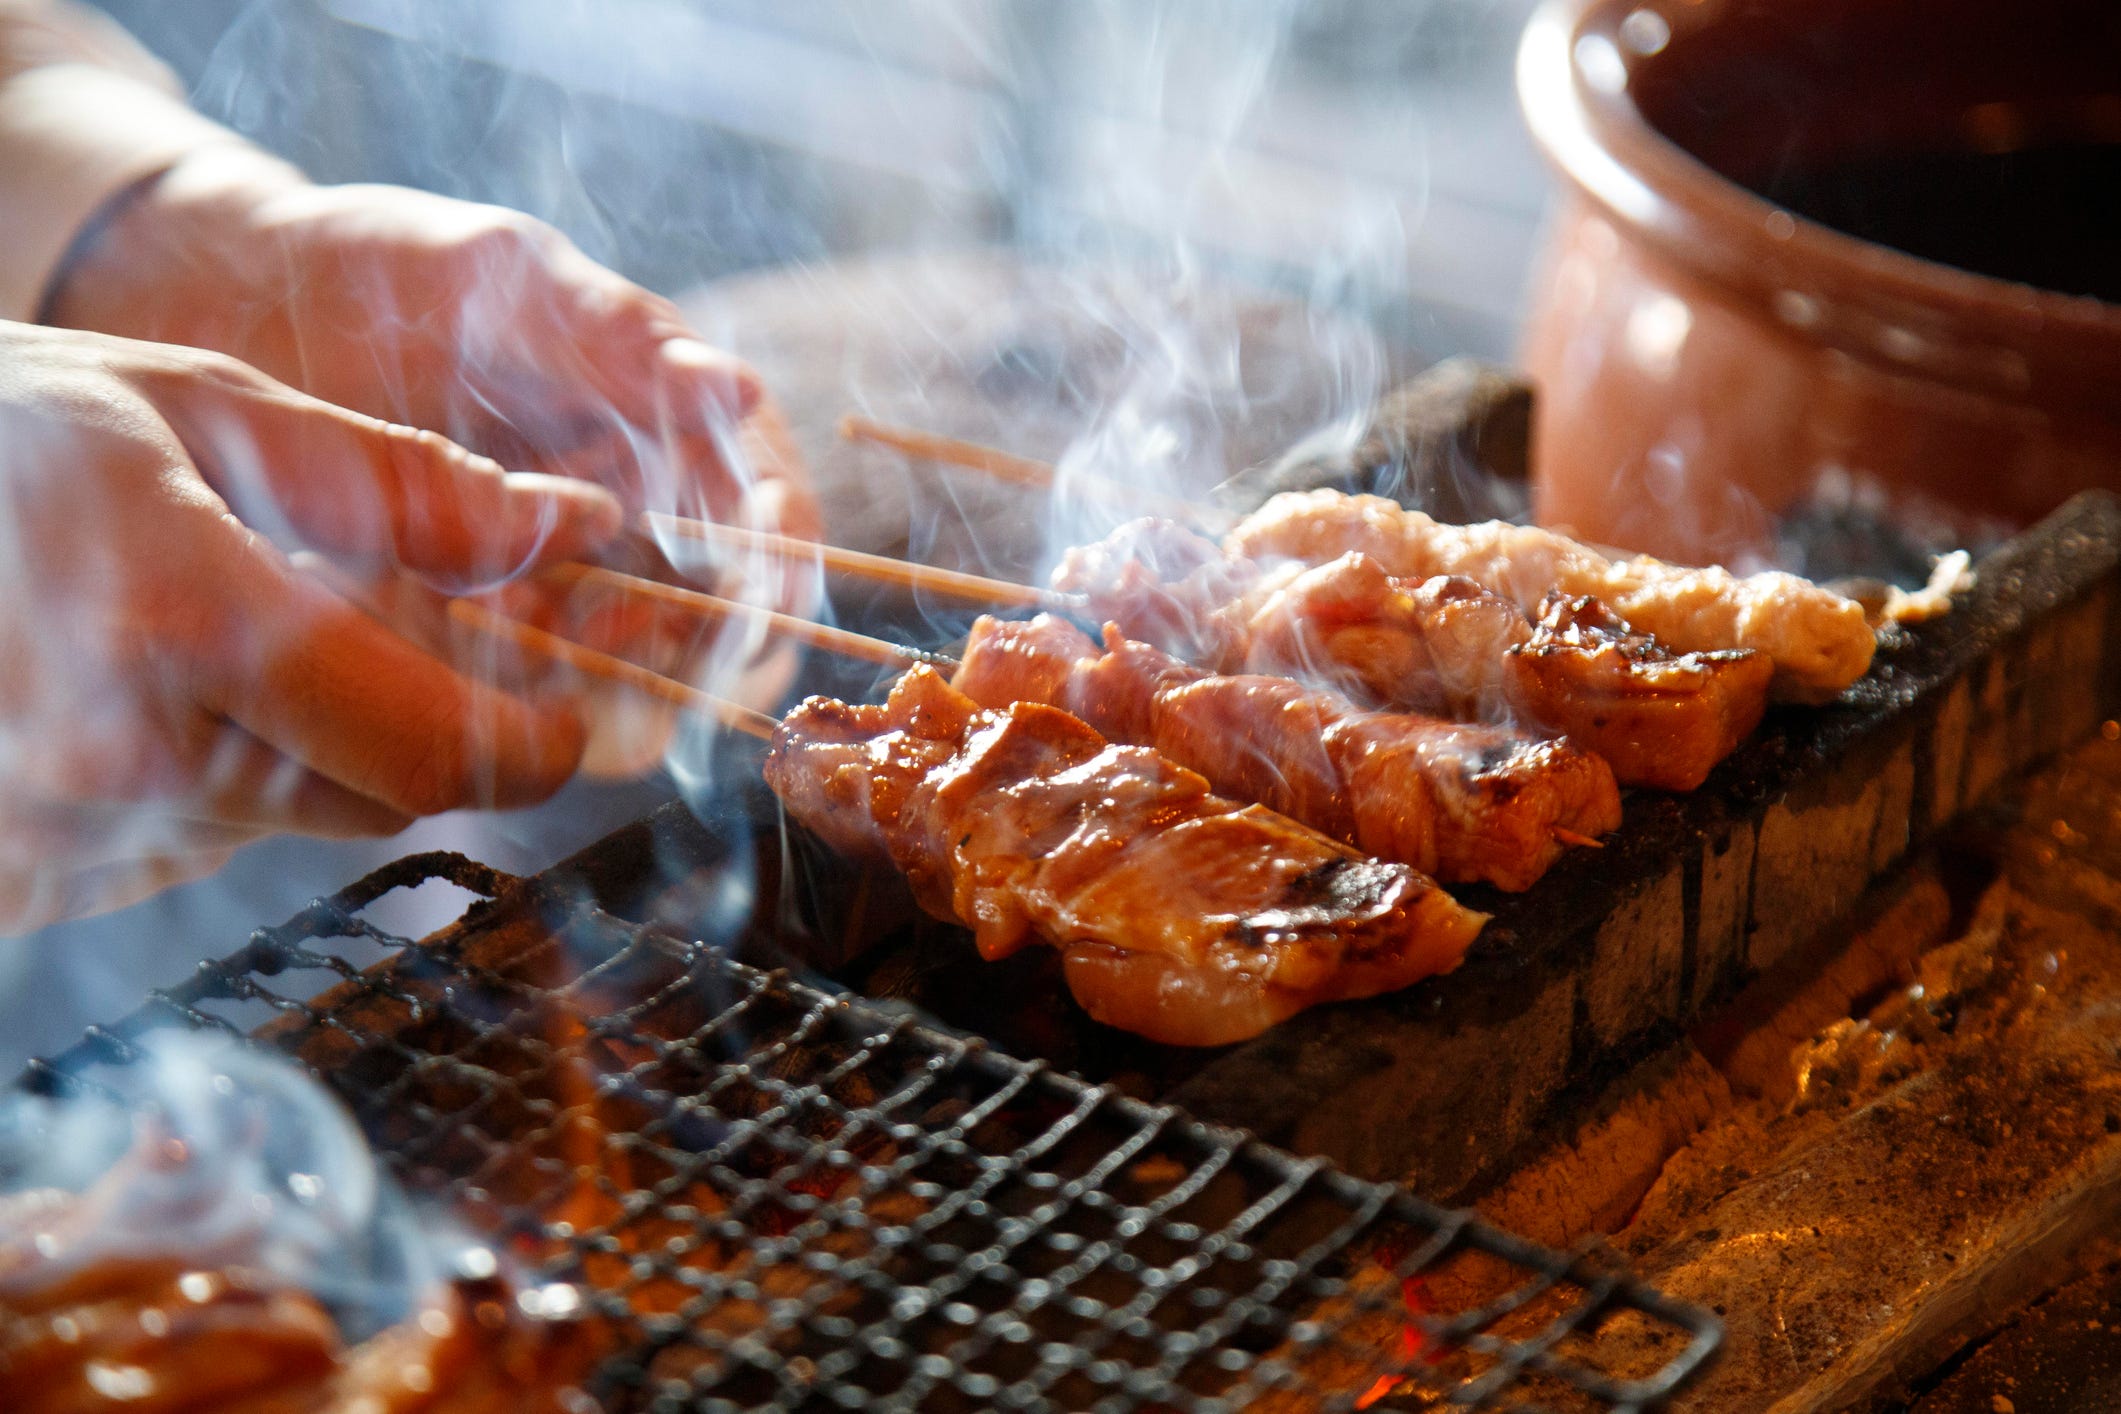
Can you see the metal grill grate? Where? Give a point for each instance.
(777, 1197)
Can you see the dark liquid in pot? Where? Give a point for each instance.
(2046, 216)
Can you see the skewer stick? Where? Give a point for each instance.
(1017, 471)
(950, 451)
(973, 588)
(713, 606)
(590, 663)
(1575, 838)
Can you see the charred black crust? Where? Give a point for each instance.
(1340, 896)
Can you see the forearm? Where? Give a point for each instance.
(85, 114)
(162, 260)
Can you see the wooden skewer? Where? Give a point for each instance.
(591, 663)
(1016, 470)
(973, 588)
(825, 636)
(1575, 838)
(950, 451)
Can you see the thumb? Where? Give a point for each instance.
(356, 486)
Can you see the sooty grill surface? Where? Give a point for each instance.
(775, 1197)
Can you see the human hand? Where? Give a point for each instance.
(170, 685)
(473, 321)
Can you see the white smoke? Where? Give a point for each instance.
(216, 1153)
(1148, 157)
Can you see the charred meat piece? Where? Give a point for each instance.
(1818, 641)
(1182, 915)
(84, 1339)
(1661, 719)
(1461, 801)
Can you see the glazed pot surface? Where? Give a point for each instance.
(1707, 357)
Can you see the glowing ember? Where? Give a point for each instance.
(1413, 1341)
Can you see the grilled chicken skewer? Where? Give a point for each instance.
(1660, 719)
(1181, 915)
(1819, 641)
(1462, 802)
(1443, 645)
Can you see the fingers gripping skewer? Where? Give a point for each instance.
(880, 569)
(591, 663)
(713, 606)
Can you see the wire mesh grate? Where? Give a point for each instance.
(772, 1196)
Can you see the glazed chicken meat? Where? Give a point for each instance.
(205, 1331)
(1180, 914)
(1818, 641)
(1463, 802)
(1660, 719)
(1446, 645)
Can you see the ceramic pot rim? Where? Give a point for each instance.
(1868, 300)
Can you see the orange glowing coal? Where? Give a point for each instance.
(1413, 1341)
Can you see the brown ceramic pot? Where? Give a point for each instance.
(1704, 357)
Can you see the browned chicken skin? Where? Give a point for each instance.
(1461, 801)
(1445, 645)
(1181, 915)
(1662, 719)
(1818, 641)
(1427, 645)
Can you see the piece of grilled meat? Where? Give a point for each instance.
(1444, 645)
(1181, 915)
(1662, 719)
(1461, 801)
(1819, 641)
(192, 1332)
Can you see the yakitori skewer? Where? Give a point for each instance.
(879, 569)
(1502, 820)
(1180, 914)
(714, 606)
(590, 663)
(999, 465)
(1217, 920)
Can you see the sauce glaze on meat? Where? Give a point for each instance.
(1182, 915)
(1461, 801)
